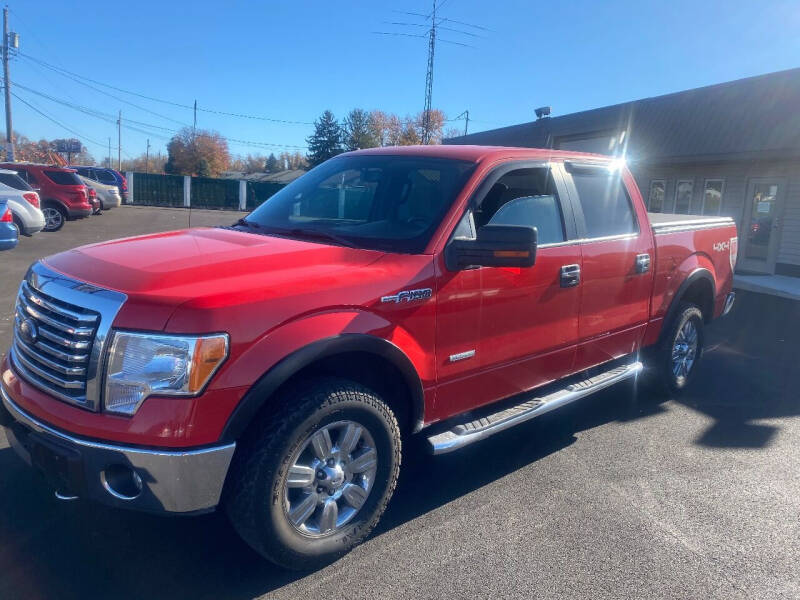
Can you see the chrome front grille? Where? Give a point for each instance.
(53, 343)
(60, 326)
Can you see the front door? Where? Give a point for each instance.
(501, 331)
(763, 209)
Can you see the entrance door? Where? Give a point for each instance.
(763, 209)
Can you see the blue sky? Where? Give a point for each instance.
(292, 60)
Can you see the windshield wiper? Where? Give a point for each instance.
(295, 232)
(320, 234)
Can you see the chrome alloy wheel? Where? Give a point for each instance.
(684, 350)
(331, 476)
(53, 218)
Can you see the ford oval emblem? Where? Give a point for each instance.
(28, 331)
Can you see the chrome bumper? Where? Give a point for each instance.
(728, 303)
(165, 481)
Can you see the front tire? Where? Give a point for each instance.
(312, 478)
(677, 357)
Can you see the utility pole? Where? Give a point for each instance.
(194, 124)
(109, 152)
(466, 121)
(147, 158)
(426, 113)
(7, 79)
(119, 142)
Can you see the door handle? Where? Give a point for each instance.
(642, 263)
(570, 275)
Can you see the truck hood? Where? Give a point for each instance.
(161, 271)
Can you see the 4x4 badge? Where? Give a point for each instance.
(409, 296)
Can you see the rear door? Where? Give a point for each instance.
(617, 261)
(501, 330)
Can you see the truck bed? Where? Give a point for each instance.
(664, 222)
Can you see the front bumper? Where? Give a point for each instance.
(160, 481)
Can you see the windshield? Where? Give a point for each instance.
(386, 202)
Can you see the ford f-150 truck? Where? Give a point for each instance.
(274, 368)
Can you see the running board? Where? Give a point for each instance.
(464, 434)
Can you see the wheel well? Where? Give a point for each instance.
(701, 294)
(54, 203)
(371, 370)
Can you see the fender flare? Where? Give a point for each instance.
(279, 373)
(698, 274)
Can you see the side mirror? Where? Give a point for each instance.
(495, 246)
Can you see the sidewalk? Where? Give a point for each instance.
(774, 285)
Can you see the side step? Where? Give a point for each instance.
(464, 434)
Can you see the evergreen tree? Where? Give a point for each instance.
(357, 130)
(326, 141)
(272, 165)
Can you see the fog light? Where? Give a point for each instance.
(122, 482)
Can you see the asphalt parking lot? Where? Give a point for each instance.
(622, 495)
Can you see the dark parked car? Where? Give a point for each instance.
(107, 176)
(9, 235)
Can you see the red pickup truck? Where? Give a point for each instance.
(274, 367)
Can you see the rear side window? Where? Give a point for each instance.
(63, 177)
(607, 209)
(14, 181)
(524, 197)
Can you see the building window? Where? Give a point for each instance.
(658, 190)
(683, 196)
(712, 196)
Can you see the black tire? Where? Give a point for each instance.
(20, 229)
(662, 360)
(255, 499)
(52, 222)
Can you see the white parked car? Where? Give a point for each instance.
(107, 194)
(23, 202)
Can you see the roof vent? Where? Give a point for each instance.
(542, 112)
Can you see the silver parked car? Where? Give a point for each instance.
(23, 202)
(108, 195)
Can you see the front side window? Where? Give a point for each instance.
(386, 202)
(712, 197)
(525, 197)
(655, 201)
(604, 200)
(683, 197)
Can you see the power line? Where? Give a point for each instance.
(65, 72)
(113, 120)
(57, 122)
(110, 95)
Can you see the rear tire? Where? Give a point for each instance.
(676, 358)
(312, 477)
(54, 216)
(19, 226)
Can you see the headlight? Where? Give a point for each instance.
(145, 364)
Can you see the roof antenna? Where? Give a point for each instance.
(542, 112)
